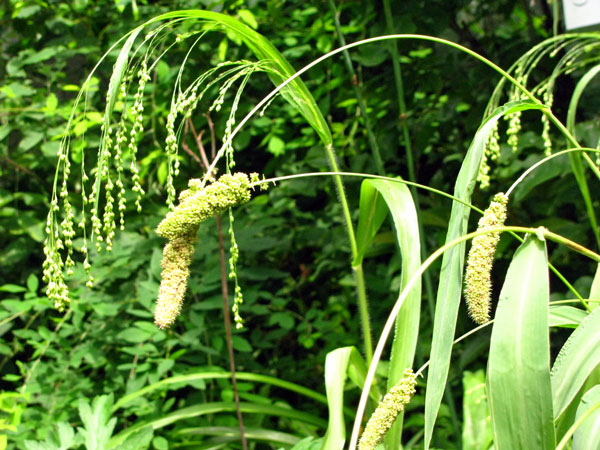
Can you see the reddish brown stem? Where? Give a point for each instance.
(227, 320)
(203, 162)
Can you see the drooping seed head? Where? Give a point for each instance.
(196, 205)
(177, 256)
(478, 283)
(385, 414)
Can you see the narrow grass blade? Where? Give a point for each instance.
(587, 436)
(220, 407)
(450, 285)
(577, 359)
(244, 376)
(575, 157)
(477, 429)
(566, 316)
(339, 363)
(518, 376)
(252, 434)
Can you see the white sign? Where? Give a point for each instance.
(581, 13)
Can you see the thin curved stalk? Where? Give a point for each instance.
(445, 194)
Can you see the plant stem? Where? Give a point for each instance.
(202, 161)
(362, 107)
(545, 160)
(228, 333)
(400, 93)
(363, 311)
(361, 292)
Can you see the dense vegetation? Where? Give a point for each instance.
(98, 373)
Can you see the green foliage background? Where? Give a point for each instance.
(294, 262)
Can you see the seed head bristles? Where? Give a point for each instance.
(478, 282)
(177, 256)
(196, 204)
(386, 412)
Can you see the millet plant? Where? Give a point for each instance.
(531, 402)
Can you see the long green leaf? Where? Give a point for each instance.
(565, 421)
(576, 360)
(296, 92)
(219, 407)
(398, 199)
(450, 285)
(518, 376)
(372, 212)
(252, 434)
(575, 157)
(338, 364)
(245, 376)
(587, 436)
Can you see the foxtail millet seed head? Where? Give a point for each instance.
(177, 256)
(385, 414)
(196, 205)
(478, 284)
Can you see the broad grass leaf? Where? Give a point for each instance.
(576, 360)
(376, 197)
(587, 436)
(372, 212)
(309, 443)
(139, 440)
(518, 375)
(477, 429)
(450, 285)
(569, 416)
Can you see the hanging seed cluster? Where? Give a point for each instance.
(118, 150)
(180, 226)
(478, 284)
(393, 403)
(572, 53)
(103, 193)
